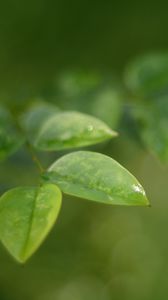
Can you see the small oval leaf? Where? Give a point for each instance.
(26, 216)
(97, 177)
(68, 130)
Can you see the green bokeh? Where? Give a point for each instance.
(94, 252)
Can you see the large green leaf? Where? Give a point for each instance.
(26, 216)
(147, 76)
(10, 138)
(63, 130)
(96, 177)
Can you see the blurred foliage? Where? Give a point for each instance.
(10, 138)
(152, 120)
(147, 80)
(95, 251)
(147, 77)
(92, 93)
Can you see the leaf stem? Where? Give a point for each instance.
(34, 157)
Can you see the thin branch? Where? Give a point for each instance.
(34, 157)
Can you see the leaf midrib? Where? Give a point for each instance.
(30, 224)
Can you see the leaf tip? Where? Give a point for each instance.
(112, 133)
(147, 203)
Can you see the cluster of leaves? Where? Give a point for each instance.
(28, 213)
(141, 97)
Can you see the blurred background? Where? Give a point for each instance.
(73, 54)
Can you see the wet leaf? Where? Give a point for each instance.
(65, 130)
(97, 177)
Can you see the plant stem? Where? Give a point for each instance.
(34, 157)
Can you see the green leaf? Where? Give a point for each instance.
(147, 76)
(152, 121)
(10, 138)
(96, 177)
(68, 130)
(26, 216)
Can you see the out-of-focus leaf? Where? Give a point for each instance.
(96, 177)
(147, 76)
(77, 83)
(152, 121)
(91, 93)
(107, 105)
(26, 216)
(36, 115)
(10, 138)
(63, 130)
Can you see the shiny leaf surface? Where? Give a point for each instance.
(68, 130)
(96, 177)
